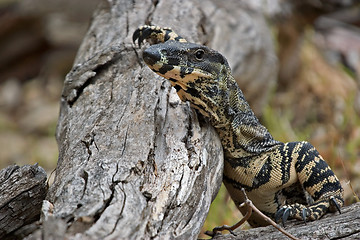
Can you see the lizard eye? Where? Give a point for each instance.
(199, 54)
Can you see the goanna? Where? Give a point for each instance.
(283, 180)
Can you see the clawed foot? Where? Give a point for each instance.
(289, 211)
(301, 212)
(155, 33)
(146, 31)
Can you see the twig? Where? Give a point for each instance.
(267, 219)
(250, 208)
(233, 227)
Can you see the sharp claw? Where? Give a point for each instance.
(136, 35)
(304, 214)
(286, 215)
(141, 34)
(278, 214)
(144, 35)
(140, 40)
(333, 201)
(147, 32)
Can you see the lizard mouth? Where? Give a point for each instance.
(157, 62)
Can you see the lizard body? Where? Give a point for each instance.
(281, 179)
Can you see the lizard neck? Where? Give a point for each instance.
(239, 129)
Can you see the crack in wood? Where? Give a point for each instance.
(85, 176)
(121, 211)
(82, 75)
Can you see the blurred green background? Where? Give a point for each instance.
(318, 50)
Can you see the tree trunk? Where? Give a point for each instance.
(134, 161)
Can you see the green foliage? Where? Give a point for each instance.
(222, 212)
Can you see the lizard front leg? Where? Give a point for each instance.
(156, 34)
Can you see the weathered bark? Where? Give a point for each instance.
(22, 191)
(339, 226)
(134, 161)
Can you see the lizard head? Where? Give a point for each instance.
(197, 72)
(184, 62)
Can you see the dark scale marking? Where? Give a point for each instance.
(239, 162)
(264, 175)
(286, 151)
(315, 178)
(326, 187)
(177, 87)
(165, 68)
(173, 80)
(183, 72)
(147, 31)
(199, 106)
(190, 70)
(178, 38)
(193, 92)
(167, 37)
(212, 90)
(236, 184)
(305, 150)
(245, 141)
(321, 207)
(173, 61)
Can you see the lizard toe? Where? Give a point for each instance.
(142, 33)
(284, 213)
(333, 202)
(304, 214)
(136, 35)
(279, 214)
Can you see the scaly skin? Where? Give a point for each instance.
(281, 179)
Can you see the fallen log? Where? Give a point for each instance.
(22, 191)
(332, 226)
